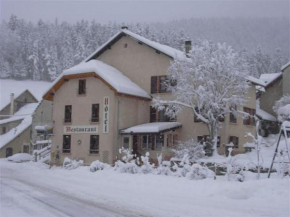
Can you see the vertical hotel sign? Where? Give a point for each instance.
(106, 114)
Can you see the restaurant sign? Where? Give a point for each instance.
(81, 129)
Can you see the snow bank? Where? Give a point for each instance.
(97, 165)
(20, 157)
(72, 164)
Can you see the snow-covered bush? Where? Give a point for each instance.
(72, 164)
(282, 108)
(199, 172)
(128, 165)
(183, 168)
(146, 167)
(163, 167)
(191, 148)
(232, 167)
(97, 165)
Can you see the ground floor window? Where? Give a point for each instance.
(9, 152)
(66, 144)
(25, 149)
(148, 141)
(159, 141)
(94, 144)
(126, 142)
(234, 140)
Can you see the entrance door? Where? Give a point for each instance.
(9, 152)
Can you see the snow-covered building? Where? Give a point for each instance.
(15, 124)
(104, 103)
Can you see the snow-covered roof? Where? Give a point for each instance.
(8, 86)
(43, 128)
(285, 66)
(28, 109)
(151, 128)
(265, 115)
(172, 52)
(43, 142)
(26, 113)
(270, 78)
(112, 76)
(255, 81)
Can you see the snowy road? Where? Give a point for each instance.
(21, 198)
(34, 190)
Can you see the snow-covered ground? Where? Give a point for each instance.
(32, 189)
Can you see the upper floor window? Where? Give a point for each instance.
(66, 144)
(233, 118)
(82, 87)
(234, 140)
(159, 116)
(94, 144)
(159, 84)
(250, 120)
(67, 114)
(95, 113)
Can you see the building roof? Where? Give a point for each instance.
(111, 76)
(154, 128)
(8, 86)
(285, 66)
(255, 81)
(265, 115)
(169, 51)
(270, 78)
(26, 115)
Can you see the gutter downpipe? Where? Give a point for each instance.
(118, 133)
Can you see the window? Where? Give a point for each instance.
(205, 138)
(233, 118)
(82, 87)
(26, 149)
(95, 113)
(159, 141)
(235, 141)
(159, 84)
(66, 144)
(9, 152)
(94, 144)
(196, 119)
(175, 139)
(169, 141)
(148, 142)
(159, 116)
(67, 114)
(3, 130)
(250, 120)
(126, 142)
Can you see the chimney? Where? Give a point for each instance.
(187, 47)
(11, 103)
(124, 27)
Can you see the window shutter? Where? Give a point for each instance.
(153, 114)
(154, 84)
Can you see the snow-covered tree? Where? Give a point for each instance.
(191, 149)
(210, 82)
(281, 107)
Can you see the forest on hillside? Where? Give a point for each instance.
(42, 50)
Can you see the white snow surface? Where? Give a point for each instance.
(151, 127)
(8, 86)
(32, 189)
(269, 78)
(26, 114)
(284, 111)
(20, 157)
(265, 115)
(256, 81)
(285, 66)
(43, 142)
(172, 52)
(115, 78)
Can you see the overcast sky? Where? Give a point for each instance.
(139, 11)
